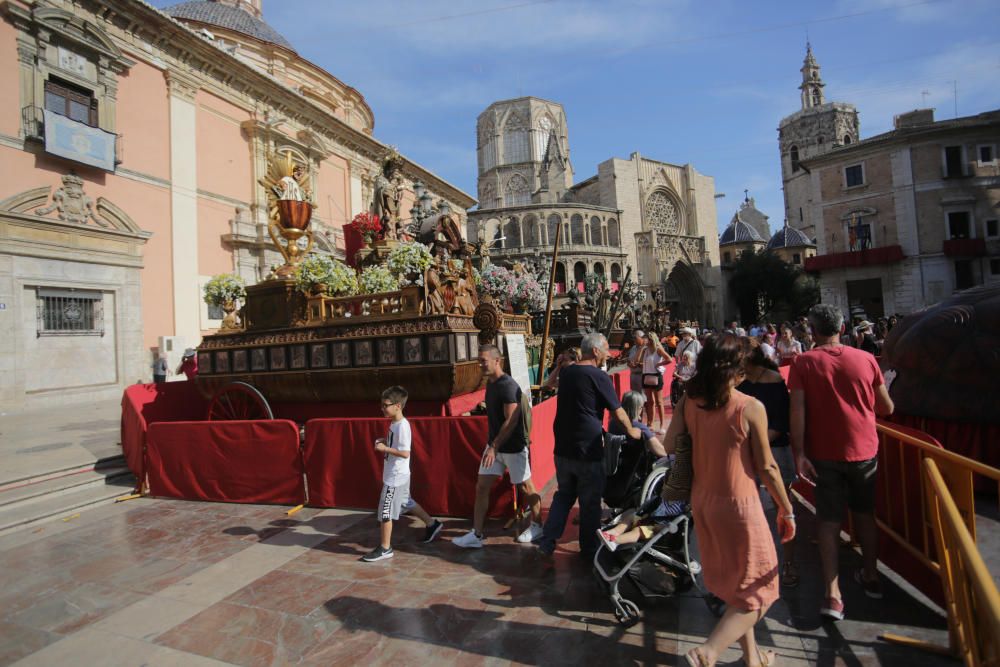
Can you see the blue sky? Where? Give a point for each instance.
(681, 81)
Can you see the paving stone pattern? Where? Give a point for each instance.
(164, 582)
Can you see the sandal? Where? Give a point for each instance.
(766, 658)
(789, 575)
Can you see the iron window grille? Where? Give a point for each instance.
(68, 312)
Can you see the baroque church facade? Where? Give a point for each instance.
(132, 145)
(656, 218)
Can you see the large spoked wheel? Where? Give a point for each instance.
(236, 401)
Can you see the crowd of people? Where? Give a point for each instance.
(747, 429)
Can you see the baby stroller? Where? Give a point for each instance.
(657, 568)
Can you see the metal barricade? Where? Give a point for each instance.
(928, 509)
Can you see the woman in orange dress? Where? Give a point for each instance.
(730, 446)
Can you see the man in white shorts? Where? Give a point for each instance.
(507, 449)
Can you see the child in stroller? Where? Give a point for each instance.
(641, 524)
(660, 566)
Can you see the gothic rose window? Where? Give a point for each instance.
(661, 213)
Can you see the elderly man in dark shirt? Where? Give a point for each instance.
(585, 392)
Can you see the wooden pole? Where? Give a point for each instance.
(548, 305)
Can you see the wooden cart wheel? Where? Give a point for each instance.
(238, 400)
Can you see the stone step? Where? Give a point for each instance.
(63, 502)
(106, 463)
(50, 486)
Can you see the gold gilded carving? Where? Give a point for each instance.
(289, 202)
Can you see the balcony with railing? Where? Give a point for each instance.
(72, 140)
(889, 254)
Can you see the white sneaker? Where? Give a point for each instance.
(530, 534)
(468, 541)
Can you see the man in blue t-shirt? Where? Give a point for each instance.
(585, 392)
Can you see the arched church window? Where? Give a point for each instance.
(541, 136)
(579, 273)
(819, 139)
(661, 213)
(560, 277)
(616, 272)
(513, 233)
(532, 234)
(599, 268)
(493, 233)
(816, 98)
(596, 236)
(794, 154)
(551, 225)
(487, 145)
(487, 196)
(515, 139)
(577, 235)
(847, 139)
(516, 192)
(613, 239)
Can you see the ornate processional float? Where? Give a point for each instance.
(317, 330)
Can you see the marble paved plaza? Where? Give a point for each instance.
(162, 582)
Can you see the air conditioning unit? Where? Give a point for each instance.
(173, 347)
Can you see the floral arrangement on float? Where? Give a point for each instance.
(224, 290)
(497, 282)
(529, 294)
(321, 274)
(408, 261)
(368, 225)
(377, 279)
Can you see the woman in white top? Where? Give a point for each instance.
(654, 357)
(788, 347)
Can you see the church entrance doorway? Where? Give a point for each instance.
(684, 293)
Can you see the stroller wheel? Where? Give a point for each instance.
(627, 612)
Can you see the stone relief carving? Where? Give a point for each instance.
(516, 184)
(72, 203)
(486, 131)
(661, 213)
(515, 122)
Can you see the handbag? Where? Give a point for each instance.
(652, 380)
(679, 479)
(613, 452)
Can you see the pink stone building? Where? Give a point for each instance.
(131, 144)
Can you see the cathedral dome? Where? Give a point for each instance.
(789, 237)
(739, 231)
(214, 13)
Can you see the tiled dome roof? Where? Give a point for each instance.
(789, 237)
(226, 16)
(739, 232)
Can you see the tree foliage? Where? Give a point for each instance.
(766, 288)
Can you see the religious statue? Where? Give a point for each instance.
(72, 203)
(388, 197)
(466, 298)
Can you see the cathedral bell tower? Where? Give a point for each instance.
(817, 127)
(812, 85)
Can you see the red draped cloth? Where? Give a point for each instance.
(143, 404)
(229, 461)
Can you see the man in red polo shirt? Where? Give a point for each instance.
(836, 393)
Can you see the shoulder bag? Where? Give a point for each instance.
(678, 483)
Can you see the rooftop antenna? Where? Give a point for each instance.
(746, 196)
(923, 98)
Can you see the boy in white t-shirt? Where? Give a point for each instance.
(395, 498)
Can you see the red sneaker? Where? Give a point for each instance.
(832, 609)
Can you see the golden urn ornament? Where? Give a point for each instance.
(290, 208)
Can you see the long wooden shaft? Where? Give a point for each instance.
(548, 305)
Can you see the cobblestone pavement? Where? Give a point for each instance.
(165, 582)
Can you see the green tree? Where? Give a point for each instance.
(767, 288)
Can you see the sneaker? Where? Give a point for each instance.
(832, 609)
(378, 553)
(608, 540)
(432, 531)
(468, 541)
(530, 534)
(872, 589)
